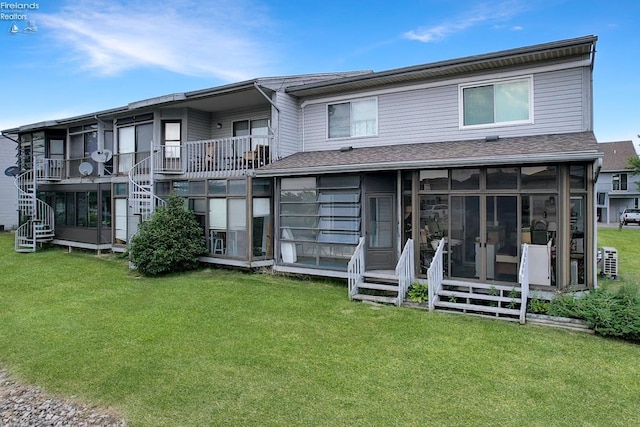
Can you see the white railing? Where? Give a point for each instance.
(224, 156)
(435, 274)
(49, 169)
(405, 271)
(523, 276)
(38, 217)
(355, 268)
(142, 199)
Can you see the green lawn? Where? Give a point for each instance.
(225, 348)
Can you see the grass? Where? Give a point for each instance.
(217, 347)
(627, 243)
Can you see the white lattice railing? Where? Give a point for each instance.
(405, 270)
(435, 274)
(355, 268)
(523, 278)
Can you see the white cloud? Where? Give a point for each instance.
(219, 39)
(482, 13)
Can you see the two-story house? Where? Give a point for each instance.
(616, 188)
(458, 163)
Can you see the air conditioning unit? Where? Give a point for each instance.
(609, 262)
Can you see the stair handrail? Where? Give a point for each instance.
(41, 215)
(435, 274)
(523, 278)
(355, 268)
(142, 168)
(405, 270)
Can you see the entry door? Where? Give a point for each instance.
(381, 250)
(483, 238)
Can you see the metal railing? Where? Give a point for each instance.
(523, 278)
(142, 199)
(405, 270)
(435, 274)
(38, 216)
(224, 156)
(355, 268)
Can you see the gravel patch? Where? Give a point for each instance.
(23, 405)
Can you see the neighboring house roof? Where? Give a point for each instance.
(617, 154)
(514, 150)
(580, 48)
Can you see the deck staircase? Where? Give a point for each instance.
(142, 199)
(36, 217)
(378, 287)
(480, 299)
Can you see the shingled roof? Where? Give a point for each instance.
(515, 150)
(616, 155)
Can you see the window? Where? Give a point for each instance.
(258, 129)
(171, 139)
(619, 182)
(351, 119)
(500, 102)
(134, 142)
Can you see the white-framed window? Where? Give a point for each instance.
(496, 102)
(619, 182)
(352, 118)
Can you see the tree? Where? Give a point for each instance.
(634, 165)
(171, 241)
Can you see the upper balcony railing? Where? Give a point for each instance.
(196, 159)
(215, 157)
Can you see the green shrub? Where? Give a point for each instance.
(538, 306)
(418, 292)
(564, 305)
(610, 314)
(171, 241)
(607, 313)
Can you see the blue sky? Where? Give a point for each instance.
(86, 56)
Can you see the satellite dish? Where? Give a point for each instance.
(85, 168)
(12, 171)
(101, 156)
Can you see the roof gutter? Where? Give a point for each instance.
(463, 162)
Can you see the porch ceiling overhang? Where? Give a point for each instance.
(539, 149)
(582, 48)
(222, 98)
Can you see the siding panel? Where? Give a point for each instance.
(431, 114)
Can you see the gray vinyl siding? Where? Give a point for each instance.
(198, 125)
(8, 191)
(431, 114)
(289, 132)
(226, 119)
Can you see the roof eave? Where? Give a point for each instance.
(431, 164)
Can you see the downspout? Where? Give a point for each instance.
(597, 166)
(273, 104)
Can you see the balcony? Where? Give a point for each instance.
(214, 157)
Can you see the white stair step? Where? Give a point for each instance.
(485, 297)
(478, 308)
(378, 286)
(375, 298)
(479, 285)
